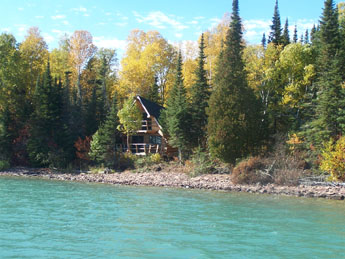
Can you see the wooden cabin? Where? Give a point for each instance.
(150, 138)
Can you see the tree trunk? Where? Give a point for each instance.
(80, 97)
(128, 145)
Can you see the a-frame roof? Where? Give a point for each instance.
(152, 109)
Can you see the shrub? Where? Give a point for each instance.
(279, 167)
(4, 164)
(251, 171)
(201, 163)
(127, 160)
(333, 159)
(147, 160)
(156, 158)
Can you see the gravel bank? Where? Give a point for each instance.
(181, 180)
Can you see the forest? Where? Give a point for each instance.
(278, 103)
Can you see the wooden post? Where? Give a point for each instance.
(149, 148)
(136, 148)
(145, 148)
(157, 148)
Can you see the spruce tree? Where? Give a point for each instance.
(263, 41)
(295, 36)
(306, 37)
(199, 100)
(233, 113)
(177, 115)
(47, 130)
(91, 114)
(301, 39)
(286, 34)
(329, 117)
(103, 144)
(41, 122)
(6, 135)
(153, 95)
(313, 34)
(276, 30)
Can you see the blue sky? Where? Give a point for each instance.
(110, 21)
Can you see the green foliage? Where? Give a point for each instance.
(177, 114)
(200, 94)
(276, 30)
(234, 112)
(4, 164)
(202, 162)
(286, 36)
(153, 94)
(147, 160)
(48, 132)
(5, 135)
(130, 118)
(332, 159)
(329, 118)
(103, 144)
(295, 36)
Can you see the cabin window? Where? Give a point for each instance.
(157, 140)
(137, 139)
(146, 123)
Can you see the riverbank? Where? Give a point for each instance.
(181, 180)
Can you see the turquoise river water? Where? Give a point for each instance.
(51, 219)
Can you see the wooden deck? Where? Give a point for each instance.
(141, 148)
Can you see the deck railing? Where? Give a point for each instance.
(140, 148)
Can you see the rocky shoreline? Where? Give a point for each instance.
(182, 180)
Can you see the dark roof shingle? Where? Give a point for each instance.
(153, 109)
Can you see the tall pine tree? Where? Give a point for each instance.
(263, 41)
(329, 118)
(177, 114)
(153, 94)
(295, 36)
(286, 34)
(276, 30)
(47, 130)
(199, 100)
(234, 113)
(103, 144)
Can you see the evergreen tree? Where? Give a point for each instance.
(91, 114)
(301, 39)
(199, 100)
(103, 144)
(153, 95)
(263, 41)
(45, 146)
(313, 34)
(234, 113)
(68, 120)
(295, 37)
(286, 34)
(176, 114)
(329, 118)
(5, 134)
(306, 37)
(103, 71)
(276, 30)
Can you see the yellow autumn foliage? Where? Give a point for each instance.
(333, 159)
(294, 141)
(148, 55)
